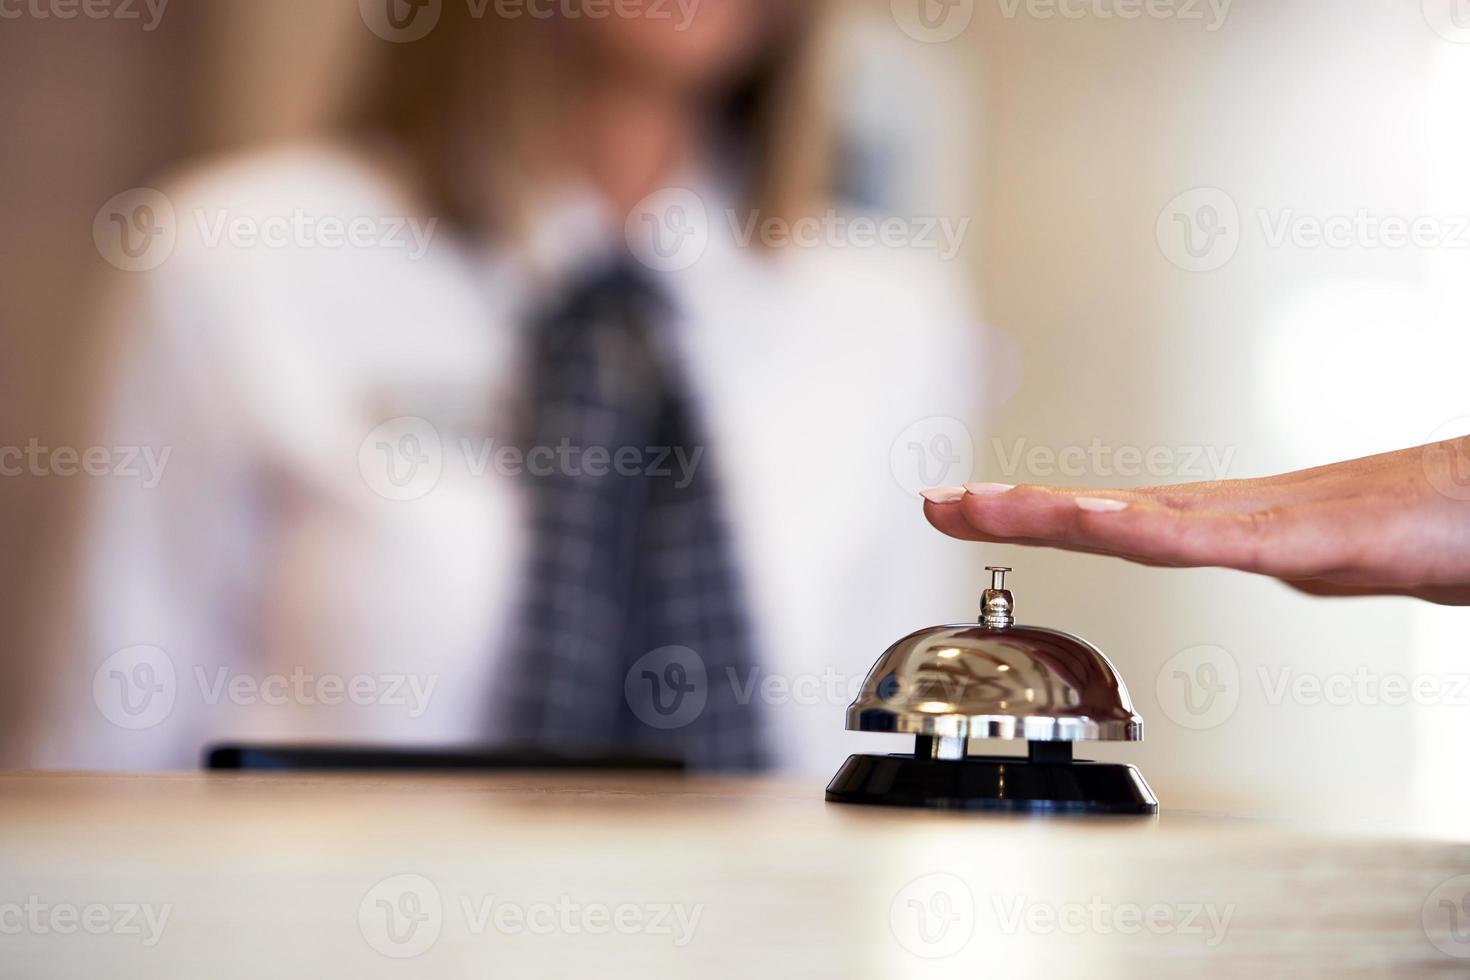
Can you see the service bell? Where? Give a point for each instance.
(949, 685)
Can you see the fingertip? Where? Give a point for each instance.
(943, 496)
(950, 519)
(1026, 511)
(988, 489)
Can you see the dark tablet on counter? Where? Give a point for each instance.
(348, 758)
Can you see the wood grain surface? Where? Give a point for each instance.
(531, 875)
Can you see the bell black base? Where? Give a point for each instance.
(994, 783)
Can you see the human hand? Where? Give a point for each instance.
(1393, 524)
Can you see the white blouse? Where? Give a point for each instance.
(300, 571)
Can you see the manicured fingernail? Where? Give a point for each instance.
(1100, 505)
(943, 495)
(988, 489)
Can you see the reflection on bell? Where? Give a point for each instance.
(946, 685)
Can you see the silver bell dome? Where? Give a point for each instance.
(994, 679)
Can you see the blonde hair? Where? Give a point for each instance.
(467, 105)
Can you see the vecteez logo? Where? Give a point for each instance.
(1446, 459)
(137, 230)
(401, 916)
(667, 688)
(1199, 230)
(1450, 19)
(136, 687)
(669, 230)
(401, 21)
(148, 13)
(933, 916)
(1202, 229)
(933, 21)
(1210, 15)
(402, 459)
(140, 687)
(933, 452)
(1445, 916)
(1199, 687)
(404, 916)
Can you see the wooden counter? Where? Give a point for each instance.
(520, 875)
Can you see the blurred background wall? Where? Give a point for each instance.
(87, 106)
(1131, 177)
(1271, 356)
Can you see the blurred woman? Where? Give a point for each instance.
(511, 416)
